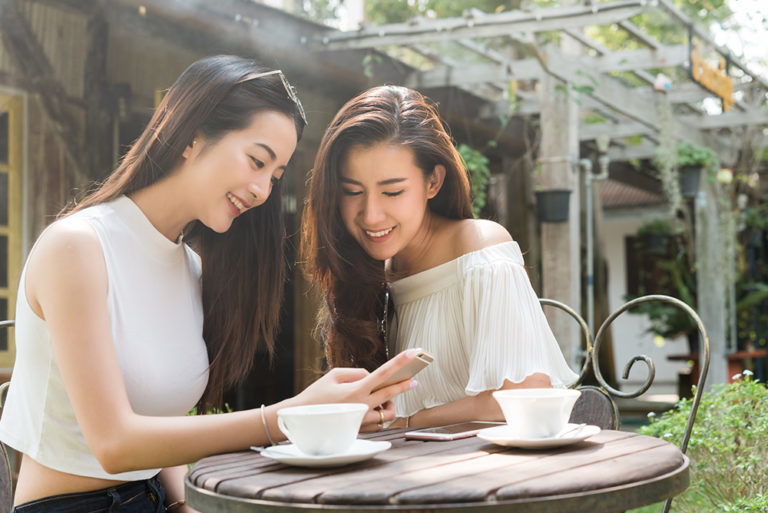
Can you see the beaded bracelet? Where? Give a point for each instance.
(266, 428)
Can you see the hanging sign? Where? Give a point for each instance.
(715, 80)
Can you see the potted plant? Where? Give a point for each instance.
(655, 237)
(691, 160)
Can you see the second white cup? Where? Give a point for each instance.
(322, 429)
(536, 412)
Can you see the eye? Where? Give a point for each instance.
(393, 194)
(347, 192)
(259, 164)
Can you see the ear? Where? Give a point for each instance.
(435, 181)
(190, 147)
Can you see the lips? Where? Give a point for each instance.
(239, 204)
(379, 233)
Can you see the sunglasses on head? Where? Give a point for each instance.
(288, 88)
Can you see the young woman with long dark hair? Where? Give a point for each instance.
(121, 328)
(388, 214)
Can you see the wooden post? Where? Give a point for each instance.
(560, 247)
(710, 281)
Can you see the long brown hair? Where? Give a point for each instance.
(243, 269)
(350, 281)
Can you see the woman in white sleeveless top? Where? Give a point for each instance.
(121, 328)
(389, 215)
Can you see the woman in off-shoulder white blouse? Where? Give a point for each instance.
(389, 214)
(481, 320)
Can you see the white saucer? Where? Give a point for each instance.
(291, 455)
(501, 435)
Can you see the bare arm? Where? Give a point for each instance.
(173, 482)
(479, 407)
(67, 286)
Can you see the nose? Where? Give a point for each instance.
(372, 212)
(260, 188)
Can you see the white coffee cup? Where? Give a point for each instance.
(322, 429)
(536, 412)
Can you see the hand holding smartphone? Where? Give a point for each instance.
(409, 370)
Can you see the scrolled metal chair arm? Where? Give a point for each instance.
(702, 374)
(584, 329)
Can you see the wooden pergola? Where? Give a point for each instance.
(496, 58)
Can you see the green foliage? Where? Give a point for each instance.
(657, 227)
(479, 175)
(397, 11)
(324, 11)
(368, 62)
(698, 156)
(212, 411)
(757, 504)
(728, 448)
(757, 216)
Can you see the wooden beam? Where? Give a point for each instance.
(507, 24)
(638, 34)
(728, 119)
(526, 69)
(633, 60)
(646, 150)
(614, 130)
(100, 106)
(473, 74)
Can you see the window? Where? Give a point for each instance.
(10, 219)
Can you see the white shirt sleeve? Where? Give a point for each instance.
(506, 332)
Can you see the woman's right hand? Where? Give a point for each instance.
(354, 385)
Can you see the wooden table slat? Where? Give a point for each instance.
(253, 485)
(485, 474)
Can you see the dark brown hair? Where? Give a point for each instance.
(243, 268)
(350, 281)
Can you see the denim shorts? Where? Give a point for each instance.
(147, 496)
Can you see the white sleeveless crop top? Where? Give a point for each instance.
(155, 310)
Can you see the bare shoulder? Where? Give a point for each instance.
(66, 239)
(476, 234)
(67, 255)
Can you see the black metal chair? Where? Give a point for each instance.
(6, 474)
(596, 405)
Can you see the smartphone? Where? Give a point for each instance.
(451, 431)
(422, 359)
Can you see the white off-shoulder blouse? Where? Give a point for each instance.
(480, 318)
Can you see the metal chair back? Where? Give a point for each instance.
(590, 411)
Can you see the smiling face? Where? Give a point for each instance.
(383, 199)
(236, 173)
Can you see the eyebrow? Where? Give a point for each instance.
(271, 152)
(383, 182)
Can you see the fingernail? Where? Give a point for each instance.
(411, 353)
(414, 383)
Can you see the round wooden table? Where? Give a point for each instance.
(610, 472)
